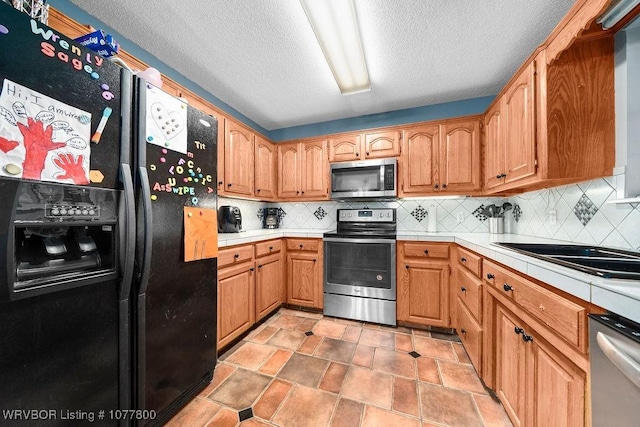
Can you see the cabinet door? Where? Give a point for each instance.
(269, 285)
(315, 169)
(303, 272)
(382, 144)
(419, 159)
(236, 302)
(423, 292)
(344, 148)
(459, 163)
(494, 147)
(265, 171)
(238, 159)
(221, 133)
(519, 116)
(557, 387)
(510, 352)
(289, 166)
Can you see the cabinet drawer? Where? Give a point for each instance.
(303, 245)
(266, 248)
(426, 250)
(234, 255)
(471, 335)
(470, 261)
(565, 318)
(469, 291)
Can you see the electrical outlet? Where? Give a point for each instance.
(299, 218)
(553, 217)
(460, 217)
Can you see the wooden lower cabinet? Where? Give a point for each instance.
(423, 288)
(304, 272)
(268, 284)
(236, 301)
(537, 385)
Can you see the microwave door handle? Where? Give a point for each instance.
(381, 185)
(629, 367)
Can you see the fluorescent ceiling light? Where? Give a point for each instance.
(616, 12)
(336, 28)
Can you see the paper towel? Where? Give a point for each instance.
(432, 218)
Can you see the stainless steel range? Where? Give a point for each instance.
(360, 266)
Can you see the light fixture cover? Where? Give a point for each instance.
(336, 27)
(616, 12)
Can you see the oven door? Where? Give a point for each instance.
(360, 267)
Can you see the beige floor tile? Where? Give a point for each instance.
(363, 356)
(448, 406)
(332, 349)
(334, 377)
(305, 370)
(431, 347)
(273, 396)
(223, 418)
(348, 414)
(329, 328)
(288, 339)
(241, 389)
(310, 344)
(306, 325)
(368, 386)
(395, 363)
(286, 321)
(492, 412)
(405, 396)
(428, 370)
(197, 413)
(378, 338)
(460, 376)
(251, 356)
(461, 353)
(276, 362)
(376, 417)
(306, 407)
(404, 343)
(264, 335)
(352, 333)
(221, 373)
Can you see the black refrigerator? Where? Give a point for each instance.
(105, 305)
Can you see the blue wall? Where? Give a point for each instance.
(391, 118)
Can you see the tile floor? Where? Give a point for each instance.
(303, 369)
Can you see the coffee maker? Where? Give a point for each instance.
(271, 219)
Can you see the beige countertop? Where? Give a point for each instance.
(617, 295)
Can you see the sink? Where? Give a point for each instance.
(596, 260)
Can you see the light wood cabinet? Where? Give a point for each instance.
(269, 284)
(381, 144)
(236, 301)
(344, 148)
(238, 159)
(265, 169)
(363, 146)
(303, 170)
(423, 286)
(441, 157)
(304, 272)
(494, 147)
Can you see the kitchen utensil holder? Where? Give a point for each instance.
(37, 9)
(496, 225)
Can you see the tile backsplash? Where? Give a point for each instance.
(581, 214)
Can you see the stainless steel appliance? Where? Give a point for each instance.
(615, 370)
(271, 219)
(367, 179)
(360, 266)
(229, 219)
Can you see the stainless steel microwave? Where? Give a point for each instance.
(367, 179)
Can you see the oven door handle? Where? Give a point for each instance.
(351, 240)
(629, 367)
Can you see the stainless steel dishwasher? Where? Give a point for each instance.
(615, 370)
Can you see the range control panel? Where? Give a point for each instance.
(367, 215)
(80, 211)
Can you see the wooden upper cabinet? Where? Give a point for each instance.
(494, 147)
(265, 169)
(519, 115)
(382, 144)
(459, 165)
(289, 170)
(238, 159)
(315, 169)
(343, 148)
(418, 163)
(220, 159)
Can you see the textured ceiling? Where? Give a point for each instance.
(262, 57)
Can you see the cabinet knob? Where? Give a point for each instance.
(507, 287)
(315, 260)
(463, 289)
(297, 192)
(236, 256)
(499, 176)
(220, 183)
(367, 153)
(444, 185)
(426, 251)
(258, 190)
(463, 331)
(357, 154)
(504, 175)
(527, 338)
(251, 269)
(270, 248)
(301, 246)
(228, 185)
(490, 276)
(260, 266)
(303, 192)
(518, 330)
(406, 266)
(436, 186)
(463, 259)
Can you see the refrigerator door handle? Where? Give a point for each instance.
(129, 229)
(148, 232)
(629, 367)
